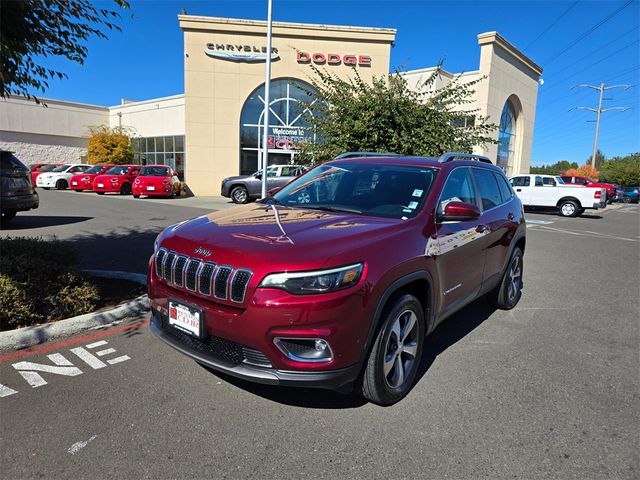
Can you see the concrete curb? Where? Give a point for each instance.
(30, 336)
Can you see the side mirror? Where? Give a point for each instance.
(459, 211)
(258, 176)
(273, 191)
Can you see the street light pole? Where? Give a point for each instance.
(265, 129)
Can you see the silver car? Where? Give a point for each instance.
(244, 188)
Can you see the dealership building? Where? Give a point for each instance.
(214, 130)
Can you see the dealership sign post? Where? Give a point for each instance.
(265, 132)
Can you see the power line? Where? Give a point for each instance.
(553, 24)
(587, 33)
(602, 88)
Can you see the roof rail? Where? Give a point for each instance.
(449, 156)
(365, 154)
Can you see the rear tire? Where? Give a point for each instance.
(100, 193)
(62, 184)
(581, 211)
(47, 188)
(78, 190)
(395, 356)
(239, 195)
(507, 295)
(136, 196)
(626, 199)
(8, 215)
(568, 208)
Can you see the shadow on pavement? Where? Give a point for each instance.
(448, 333)
(23, 222)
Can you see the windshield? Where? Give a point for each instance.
(154, 172)
(61, 168)
(120, 170)
(370, 189)
(95, 169)
(46, 168)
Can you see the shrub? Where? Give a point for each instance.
(39, 282)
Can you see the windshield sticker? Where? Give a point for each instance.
(407, 210)
(413, 205)
(417, 192)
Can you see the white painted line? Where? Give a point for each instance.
(102, 353)
(583, 234)
(539, 222)
(29, 370)
(6, 391)
(89, 359)
(96, 344)
(76, 447)
(121, 359)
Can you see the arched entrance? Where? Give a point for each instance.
(287, 127)
(509, 140)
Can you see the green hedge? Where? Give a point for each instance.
(40, 282)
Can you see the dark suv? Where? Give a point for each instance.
(245, 188)
(335, 280)
(16, 188)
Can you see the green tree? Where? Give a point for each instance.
(109, 146)
(32, 30)
(387, 116)
(554, 168)
(622, 170)
(600, 159)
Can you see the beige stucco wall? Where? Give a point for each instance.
(216, 89)
(151, 118)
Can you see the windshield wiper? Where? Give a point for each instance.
(329, 208)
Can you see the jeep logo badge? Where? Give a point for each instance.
(203, 251)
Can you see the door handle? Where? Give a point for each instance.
(510, 216)
(518, 189)
(482, 228)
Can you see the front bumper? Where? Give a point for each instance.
(20, 203)
(244, 365)
(46, 182)
(160, 191)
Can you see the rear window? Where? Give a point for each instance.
(154, 172)
(505, 191)
(488, 188)
(9, 162)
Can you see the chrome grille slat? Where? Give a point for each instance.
(205, 278)
(208, 279)
(222, 281)
(191, 272)
(178, 270)
(239, 284)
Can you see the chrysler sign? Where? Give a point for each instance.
(239, 53)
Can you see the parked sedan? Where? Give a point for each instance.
(40, 168)
(16, 190)
(630, 194)
(118, 179)
(84, 181)
(244, 188)
(156, 180)
(59, 177)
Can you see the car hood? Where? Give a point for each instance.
(237, 177)
(255, 236)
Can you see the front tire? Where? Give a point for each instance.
(61, 184)
(626, 199)
(8, 215)
(100, 193)
(125, 189)
(508, 293)
(569, 208)
(395, 356)
(78, 190)
(136, 196)
(240, 195)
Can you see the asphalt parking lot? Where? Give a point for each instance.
(549, 389)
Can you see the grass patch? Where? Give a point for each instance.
(40, 282)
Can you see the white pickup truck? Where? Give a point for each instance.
(550, 191)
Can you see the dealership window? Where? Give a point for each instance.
(288, 126)
(506, 136)
(167, 150)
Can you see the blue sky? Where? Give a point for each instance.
(145, 59)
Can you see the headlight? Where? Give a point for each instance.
(319, 281)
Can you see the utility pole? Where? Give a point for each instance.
(265, 129)
(599, 111)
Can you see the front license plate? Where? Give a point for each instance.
(151, 188)
(185, 318)
(101, 185)
(74, 183)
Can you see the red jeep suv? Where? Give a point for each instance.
(335, 280)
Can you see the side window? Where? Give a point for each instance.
(458, 188)
(135, 171)
(520, 181)
(505, 191)
(539, 182)
(565, 179)
(487, 187)
(548, 181)
(580, 181)
(74, 170)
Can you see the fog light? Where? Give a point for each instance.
(308, 350)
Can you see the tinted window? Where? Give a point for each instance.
(289, 172)
(580, 181)
(520, 181)
(458, 188)
(565, 178)
(548, 181)
(121, 170)
(487, 187)
(61, 168)
(154, 172)
(371, 189)
(95, 169)
(503, 186)
(539, 182)
(9, 162)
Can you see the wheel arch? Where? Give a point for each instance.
(569, 198)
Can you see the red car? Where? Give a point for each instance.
(39, 168)
(611, 189)
(336, 279)
(117, 179)
(84, 181)
(156, 180)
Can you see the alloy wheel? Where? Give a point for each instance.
(515, 274)
(401, 348)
